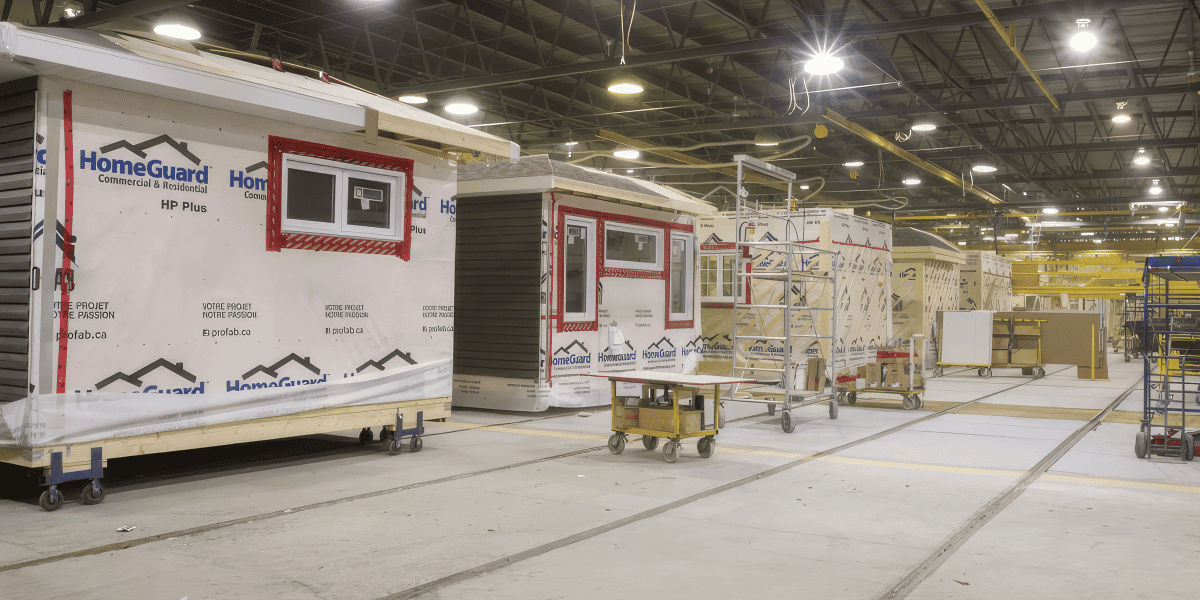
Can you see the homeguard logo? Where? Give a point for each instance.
(136, 378)
(379, 364)
(715, 343)
(663, 348)
(420, 204)
(764, 347)
(618, 355)
(273, 371)
(693, 346)
(247, 181)
(152, 173)
(567, 356)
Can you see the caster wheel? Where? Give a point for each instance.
(1189, 446)
(385, 434)
(851, 398)
(1038, 372)
(93, 493)
(671, 451)
(365, 436)
(833, 408)
(909, 403)
(51, 500)
(616, 443)
(650, 441)
(920, 402)
(1141, 444)
(985, 372)
(706, 446)
(416, 443)
(1126, 358)
(770, 410)
(785, 421)
(721, 420)
(394, 447)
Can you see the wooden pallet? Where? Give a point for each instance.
(306, 423)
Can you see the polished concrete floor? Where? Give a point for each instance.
(942, 502)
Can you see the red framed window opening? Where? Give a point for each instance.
(332, 199)
(592, 244)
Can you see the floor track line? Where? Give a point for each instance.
(984, 515)
(279, 513)
(511, 559)
(291, 511)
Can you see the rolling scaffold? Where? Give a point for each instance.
(1133, 331)
(804, 331)
(1170, 357)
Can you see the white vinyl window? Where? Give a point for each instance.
(331, 198)
(632, 247)
(579, 269)
(718, 276)
(680, 279)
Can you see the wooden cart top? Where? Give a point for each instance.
(670, 378)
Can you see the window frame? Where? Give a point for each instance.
(720, 282)
(659, 264)
(589, 315)
(691, 259)
(342, 173)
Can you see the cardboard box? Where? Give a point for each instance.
(999, 357)
(1086, 373)
(662, 419)
(874, 374)
(900, 380)
(888, 354)
(999, 326)
(625, 417)
(1000, 343)
(1028, 356)
(815, 378)
(1027, 328)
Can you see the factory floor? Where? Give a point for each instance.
(1005, 487)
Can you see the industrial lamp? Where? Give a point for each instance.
(177, 25)
(1084, 40)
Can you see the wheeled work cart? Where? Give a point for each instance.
(911, 391)
(1170, 357)
(659, 412)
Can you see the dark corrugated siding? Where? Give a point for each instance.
(497, 274)
(17, 100)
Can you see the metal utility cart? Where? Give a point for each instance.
(911, 394)
(1017, 344)
(806, 331)
(1133, 328)
(1171, 357)
(661, 415)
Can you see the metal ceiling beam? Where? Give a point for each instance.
(1069, 203)
(1028, 11)
(928, 167)
(136, 8)
(613, 64)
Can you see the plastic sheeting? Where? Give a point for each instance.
(54, 419)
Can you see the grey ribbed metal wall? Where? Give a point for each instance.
(17, 159)
(496, 286)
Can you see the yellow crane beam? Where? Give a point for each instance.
(1009, 35)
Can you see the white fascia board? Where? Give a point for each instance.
(516, 185)
(67, 59)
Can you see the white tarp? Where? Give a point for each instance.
(55, 419)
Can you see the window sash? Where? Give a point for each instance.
(681, 288)
(655, 243)
(343, 172)
(587, 282)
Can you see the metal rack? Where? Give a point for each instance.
(806, 331)
(1133, 330)
(1171, 357)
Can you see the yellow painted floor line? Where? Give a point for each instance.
(1057, 478)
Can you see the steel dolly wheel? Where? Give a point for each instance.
(616, 443)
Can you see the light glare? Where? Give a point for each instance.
(1083, 41)
(824, 64)
(178, 31)
(461, 108)
(627, 154)
(625, 88)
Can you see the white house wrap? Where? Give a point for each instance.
(986, 282)
(213, 241)
(925, 280)
(564, 271)
(864, 287)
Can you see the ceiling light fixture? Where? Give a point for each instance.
(1141, 159)
(853, 163)
(1163, 209)
(72, 9)
(1121, 118)
(461, 108)
(824, 64)
(1084, 40)
(804, 186)
(1156, 189)
(1050, 210)
(572, 143)
(766, 138)
(984, 168)
(912, 181)
(177, 25)
(631, 154)
(924, 126)
(413, 99)
(625, 88)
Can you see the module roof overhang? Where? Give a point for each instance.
(914, 244)
(536, 174)
(179, 72)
